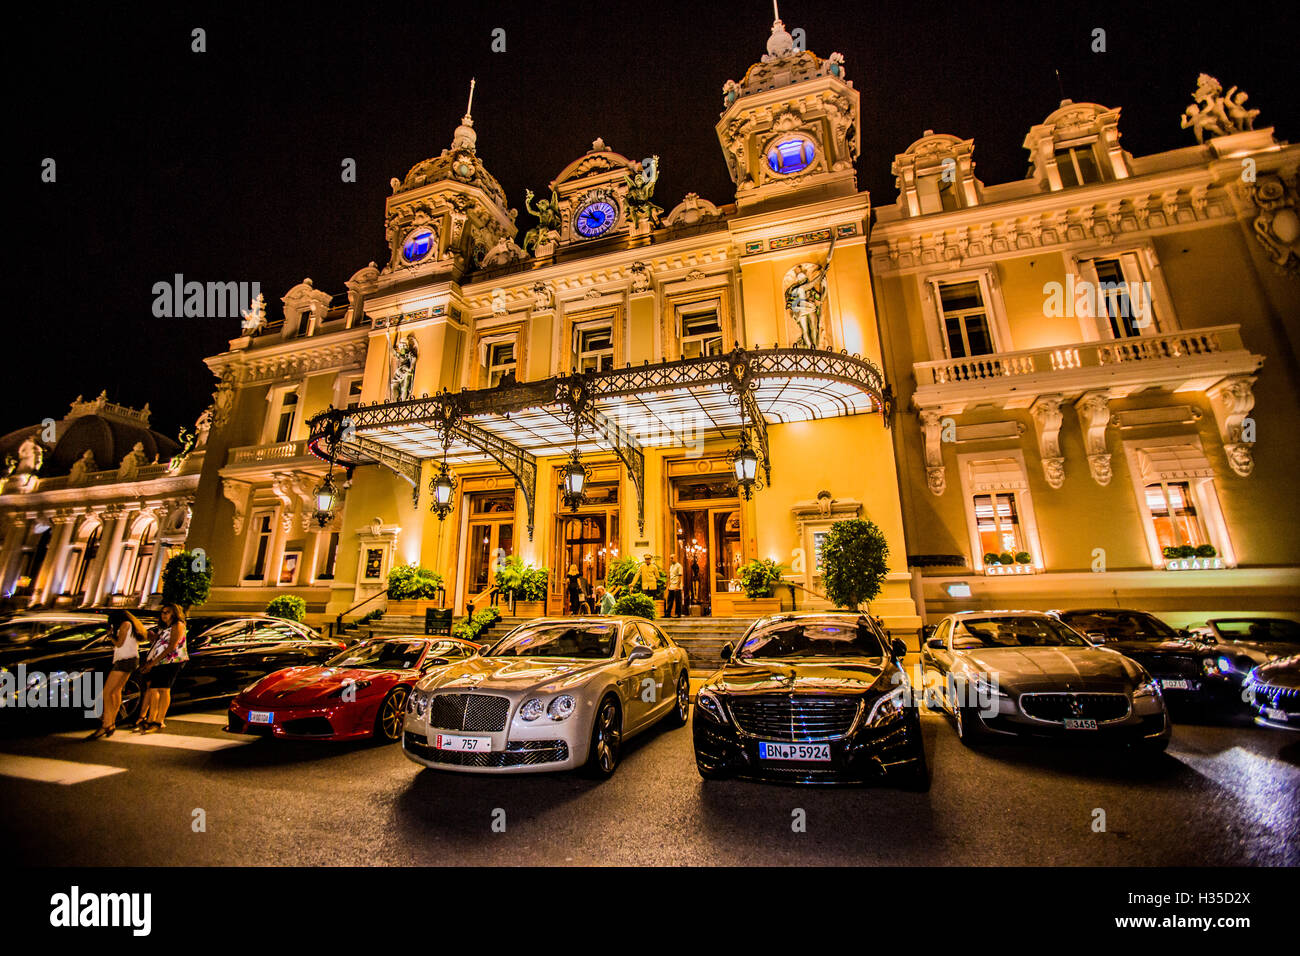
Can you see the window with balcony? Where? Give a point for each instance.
(501, 363)
(261, 529)
(594, 348)
(1077, 165)
(1123, 300)
(701, 334)
(286, 416)
(964, 319)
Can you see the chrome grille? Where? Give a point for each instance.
(519, 754)
(1057, 707)
(794, 719)
(1270, 695)
(473, 712)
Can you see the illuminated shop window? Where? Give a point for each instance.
(791, 155)
(997, 521)
(1174, 515)
(417, 246)
(965, 319)
(701, 335)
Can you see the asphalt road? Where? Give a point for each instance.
(1223, 794)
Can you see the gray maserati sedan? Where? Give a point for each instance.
(1025, 673)
(553, 694)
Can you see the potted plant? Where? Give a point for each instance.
(1023, 557)
(758, 578)
(992, 557)
(854, 562)
(636, 604)
(523, 585)
(413, 589)
(288, 606)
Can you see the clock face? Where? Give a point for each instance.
(596, 218)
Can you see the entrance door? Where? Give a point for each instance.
(490, 539)
(706, 522)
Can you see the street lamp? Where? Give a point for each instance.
(744, 466)
(575, 481)
(442, 486)
(326, 497)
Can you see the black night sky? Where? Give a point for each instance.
(225, 165)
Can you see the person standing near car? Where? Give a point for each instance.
(674, 596)
(574, 588)
(167, 655)
(126, 632)
(649, 577)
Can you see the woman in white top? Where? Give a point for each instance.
(126, 632)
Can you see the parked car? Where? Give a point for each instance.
(1273, 691)
(1179, 660)
(223, 659)
(1243, 643)
(360, 692)
(813, 697)
(553, 694)
(1027, 674)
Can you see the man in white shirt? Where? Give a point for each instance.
(674, 595)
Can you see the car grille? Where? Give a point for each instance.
(1270, 695)
(1057, 707)
(476, 712)
(794, 719)
(1169, 665)
(521, 754)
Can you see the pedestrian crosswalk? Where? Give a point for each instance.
(67, 772)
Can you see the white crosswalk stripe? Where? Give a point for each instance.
(45, 770)
(163, 739)
(216, 720)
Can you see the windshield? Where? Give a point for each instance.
(380, 655)
(1259, 629)
(592, 641)
(1014, 632)
(1120, 625)
(812, 638)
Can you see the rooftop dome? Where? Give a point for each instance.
(107, 431)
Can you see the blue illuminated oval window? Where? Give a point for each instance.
(417, 246)
(791, 155)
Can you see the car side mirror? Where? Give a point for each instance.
(934, 643)
(639, 653)
(726, 652)
(898, 647)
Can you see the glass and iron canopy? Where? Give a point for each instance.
(622, 410)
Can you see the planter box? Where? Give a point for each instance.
(528, 609)
(756, 607)
(414, 608)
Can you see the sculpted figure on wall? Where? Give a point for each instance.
(402, 379)
(805, 293)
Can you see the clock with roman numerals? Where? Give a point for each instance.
(595, 217)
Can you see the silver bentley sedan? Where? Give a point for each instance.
(553, 694)
(1025, 673)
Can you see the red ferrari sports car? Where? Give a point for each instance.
(358, 693)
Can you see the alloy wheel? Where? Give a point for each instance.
(607, 737)
(391, 714)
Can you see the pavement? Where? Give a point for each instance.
(1224, 793)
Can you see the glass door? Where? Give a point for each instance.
(724, 525)
(491, 538)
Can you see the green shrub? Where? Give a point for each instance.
(636, 604)
(855, 562)
(410, 582)
(1006, 557)
(520, 581)
(1023, 557)
(991, 557)
(759, 576)
(288, 606)
(187, 579)
(369, 616)
(1207, 551)
(1180, 551)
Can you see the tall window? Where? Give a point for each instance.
(595, 348)
(284, 424)
(143, 560)
(701, 335)
(965, 319)
(1077, 165)
(304, 323)
(998, 522)
(1174, 514)
(1124, 301)
(935, 194)
(261, 545)
(501, 362)
(353, 397)
(331, 558)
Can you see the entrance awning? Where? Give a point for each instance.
(668, 404)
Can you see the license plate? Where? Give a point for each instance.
(463, 744)
(804, 752)
(1274, 713)
(261, 716)
(1176, 683)
(1080, 723)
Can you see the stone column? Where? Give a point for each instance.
(15, 537)
(112, 560)
(151, 583)
(56, 558)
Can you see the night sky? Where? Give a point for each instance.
(225, 165)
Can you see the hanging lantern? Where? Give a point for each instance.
(744, 466)
(575, 475)
(326, 497)
(442, 487)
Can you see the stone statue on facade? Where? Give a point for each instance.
(805, 293)
(82, 468)
(31, 455)
(402, 379)
(255, 317)
(640, 190)
(1215, 113)
(547, 229)
(503, 253)
(132, 462)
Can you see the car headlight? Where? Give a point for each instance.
(561, 707)
(531, 710)
(888, 708)
(1148, 688)
(707, 702)
(354, 685)
(417, 703)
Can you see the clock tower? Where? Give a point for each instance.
(789, 129)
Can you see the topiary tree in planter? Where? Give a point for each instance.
(636, 604)
(288, 606)
(187, 579)
(854, 562)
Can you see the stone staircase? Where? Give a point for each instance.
(399, 625)
(702, 638)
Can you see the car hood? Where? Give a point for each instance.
(514, 675)
(1260, 651)
(1021, 669)
(1171, 646)
(1281, 673)
(305, 685)
(851, 676)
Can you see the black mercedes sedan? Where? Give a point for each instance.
(1184, 664)
(811, 698)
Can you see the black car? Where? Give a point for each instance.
(811, 698)
(223, 659)
(1273, 691)
(1185, 665)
